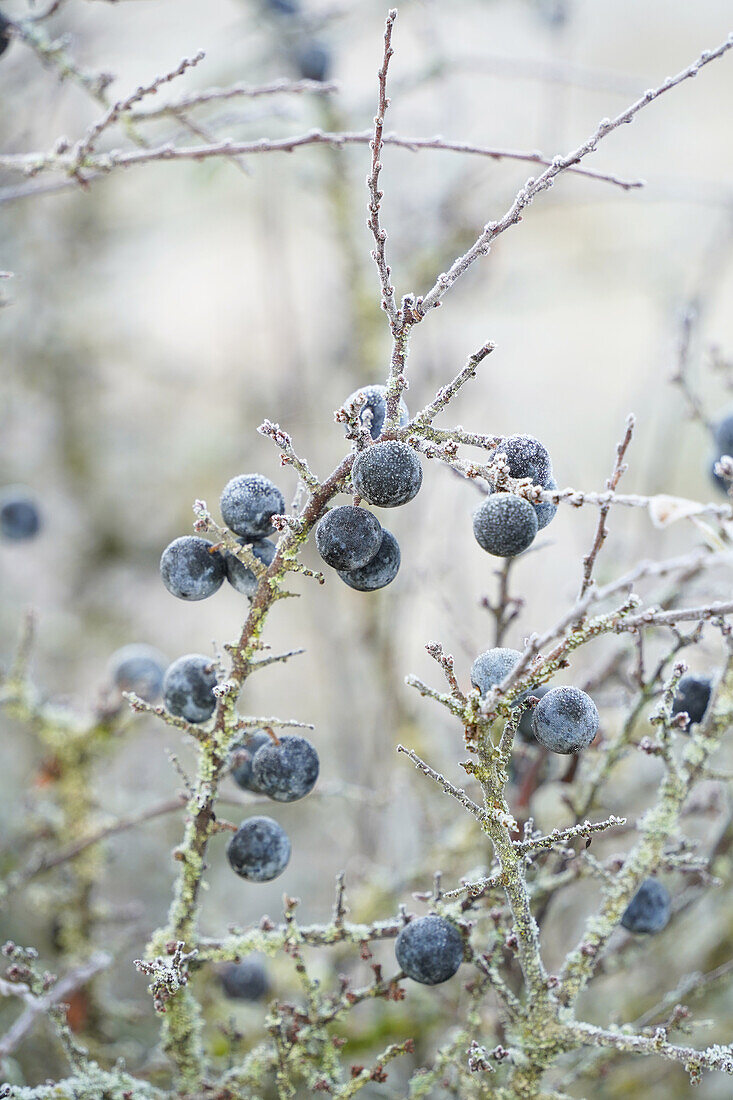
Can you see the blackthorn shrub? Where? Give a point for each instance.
(348, 537)
(387, 474)
(504, 525)
(248, 504)
(246, 980)
(649, 910)
(19, 515)
(139, 669)
(259, 850)
(243, 755)
(373, 412)
(429, 950)
(565, 720)
(188, 688)
(239, 575)
(191, 569)
(692, 696)
(286, 771)
(380, 571)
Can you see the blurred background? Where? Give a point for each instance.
(154, 319)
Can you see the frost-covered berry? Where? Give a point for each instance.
(493, 666)
(239, 575)
(692, 696)
(429, 950)
(527, 457)
(348, 537)
(246, 980)
(188, 688)
(524, 729)
(387, 474)
(19, 515)
(565, 720)
(545, 510)
(313, 61)
(504, 525)
(190, 569)
(259, 850)
(287, 771)
(380, 571)
(649, 910)
(374, 410)
(248, 504)
(244, 755)
(138, 668)
(4, 33)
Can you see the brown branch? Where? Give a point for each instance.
(601, 530)
(375, 195)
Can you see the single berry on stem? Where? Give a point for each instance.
(348, 537)
(188, 688)
(429, 950)
(649, 910)
(191, 569)
(246, 980)
(565, 720)
(380, 571)
(387, 474)
(248, 504)
(139, 669)
(242, 756)
(373, 412)
(287, 771)
(259, 850)
(19, 515)
(504, 525)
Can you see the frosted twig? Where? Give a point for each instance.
(375, 195)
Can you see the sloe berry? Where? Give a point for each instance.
(248, 504)
(723, 435)
(313, 61)
(259, 850)
(19, 515)
(348, 537)
(239, 575)
(387, 474)
(188, 688)
(138, 668)
(245, 752)
(546, 510)
(287, 771)
(246, 980)
(380, 571)
(190, 569)
(491, 667)
(504, 525)
(649, 910)
(524, 729)
(692, 696)
(527, 457)
(565, 720)
(429, 950)
(5, 26)
(374, 410)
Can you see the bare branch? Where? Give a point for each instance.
(375, 195)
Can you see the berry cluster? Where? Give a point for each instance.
(505, 524)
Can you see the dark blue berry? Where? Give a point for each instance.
(239, 575)
(493, 666)
(19, 515)
(190, 569)
(287, 771)
(374, 410)
(246, 980)
(504, 525)
(259, 850)
(545, 510)
(429, 950)
(140, 669)
(283, 7)
(188, 688)
(313, 61)
(243, 755)
(5, 26)
(649, 910)
(692, 696)
(723, 435)
(527, 457)
(348, 537)
(380, 571)
(387, 474)
(565, 720)
(248, 504)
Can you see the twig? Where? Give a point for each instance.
(601, 530)
(375, 195)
